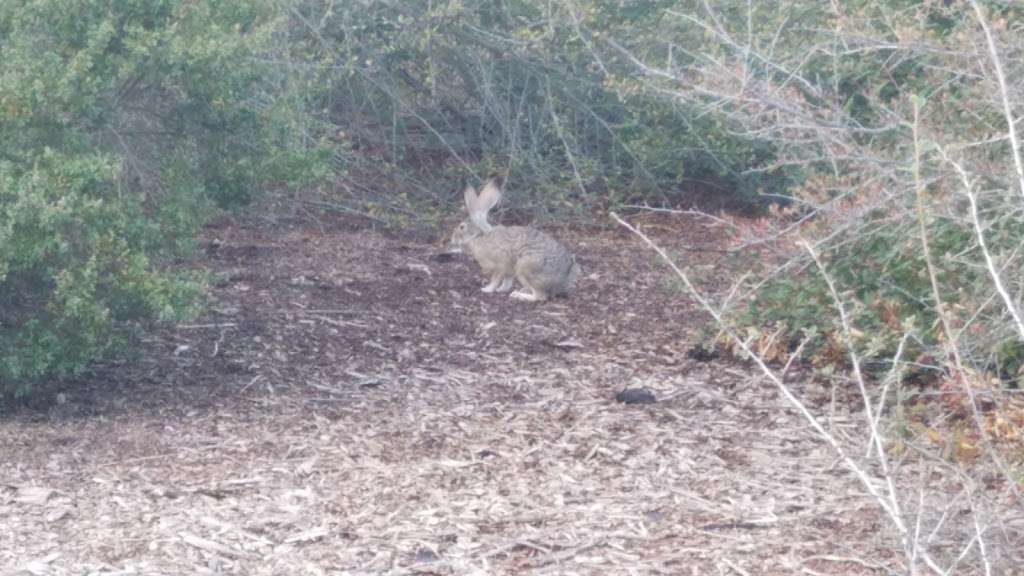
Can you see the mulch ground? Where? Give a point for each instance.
(351, 404)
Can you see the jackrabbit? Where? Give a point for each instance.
(540, 263)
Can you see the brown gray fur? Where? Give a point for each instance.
(506, 254)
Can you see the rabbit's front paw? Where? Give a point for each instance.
(524, 296)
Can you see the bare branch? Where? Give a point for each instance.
(1004, 95)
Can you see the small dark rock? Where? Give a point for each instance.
(654, 516)
(702, 353)
(426, 555)
(636, 396)
(443, 257)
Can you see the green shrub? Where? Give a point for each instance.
(122, 123)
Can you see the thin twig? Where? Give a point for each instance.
(1004, 95)
(883, 502)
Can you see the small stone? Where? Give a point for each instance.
(636, 396)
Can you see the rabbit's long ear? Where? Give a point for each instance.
(470, 195)
(480, 206)
(489, 196)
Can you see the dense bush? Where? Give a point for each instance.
(121, 124)
(530, 90)
(893, 135)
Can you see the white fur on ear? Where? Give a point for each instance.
(489, 196)
(473, 203)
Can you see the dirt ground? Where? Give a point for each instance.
(352, 405)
